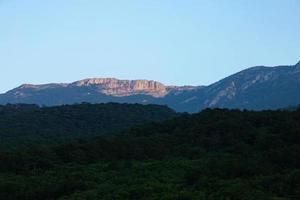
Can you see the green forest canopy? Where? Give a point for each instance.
(23, 125)
(215, 154)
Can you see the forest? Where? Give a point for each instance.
(25, 125)
(123, 151)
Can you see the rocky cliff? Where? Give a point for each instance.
(121, 88)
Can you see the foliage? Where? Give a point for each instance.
(24, 125)
(216, 154)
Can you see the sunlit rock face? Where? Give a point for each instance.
(115, 87)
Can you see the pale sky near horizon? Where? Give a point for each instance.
(176, 42)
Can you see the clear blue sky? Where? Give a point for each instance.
(173, 41)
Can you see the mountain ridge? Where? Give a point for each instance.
(113, 86)
(254, 88)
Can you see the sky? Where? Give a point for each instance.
(176, 42)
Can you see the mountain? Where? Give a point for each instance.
(97, 90)
(255, 88)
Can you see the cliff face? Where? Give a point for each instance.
(121, 88)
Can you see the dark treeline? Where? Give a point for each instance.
(215, 154)
(23, 125)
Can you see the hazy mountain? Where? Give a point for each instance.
(98, 90)
(257, 88)
(254, 88)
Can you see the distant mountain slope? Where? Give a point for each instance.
(254, 88)
(101, 90)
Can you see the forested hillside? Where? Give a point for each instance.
(217, 154)
(23, 125)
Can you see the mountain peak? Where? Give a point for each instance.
(24, 86)
(41, 86)
(94, 81)
(116, 87)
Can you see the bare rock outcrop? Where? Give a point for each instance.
(115, 87)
